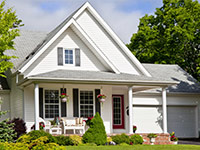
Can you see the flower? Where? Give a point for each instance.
(101, 96)
(64, 95)
(173, 137)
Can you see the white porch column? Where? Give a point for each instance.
(130, 104)
(164, 106)
(36, 92)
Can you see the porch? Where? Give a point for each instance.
(42, 100)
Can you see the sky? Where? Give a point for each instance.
(121, 15)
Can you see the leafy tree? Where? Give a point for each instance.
(170, 36)
(96, 133)
(7, 132)
(9, 24)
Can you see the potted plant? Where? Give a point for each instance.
(173, 138)
(64, 97)
(101, 98)
(134, 129)
(152, 138)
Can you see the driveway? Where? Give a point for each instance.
(189, 141)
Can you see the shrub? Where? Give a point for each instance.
(26, 139)
(40, 133)
(63, 140)
(76, 140)
(96, 133)
(123, 138)
(124, 144)
(136, 139)
(19, 126)
(151, 135)
(48, 146)
(13, 146)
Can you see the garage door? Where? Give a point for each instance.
(148, 119)
(182, 120)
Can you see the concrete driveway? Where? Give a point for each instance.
(189, 141)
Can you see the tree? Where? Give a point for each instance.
(96, 133)
(9, 24)
(170, 36)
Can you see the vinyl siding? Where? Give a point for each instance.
(48, 60)
(105, 43)
(5, 106)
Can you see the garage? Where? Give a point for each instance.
(148, 119)
(183, 121)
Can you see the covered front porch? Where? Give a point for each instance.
(41, 100)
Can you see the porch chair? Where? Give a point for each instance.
(46, 123)
(73, 124)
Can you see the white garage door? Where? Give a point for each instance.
(148, 119)
(182, 120)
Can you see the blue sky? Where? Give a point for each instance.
(122, 15)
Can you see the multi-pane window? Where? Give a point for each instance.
(117, 110)
(51, 103)
(69, 56)
(86, 104)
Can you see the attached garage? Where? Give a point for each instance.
(183, 121)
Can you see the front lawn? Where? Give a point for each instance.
(136, 147)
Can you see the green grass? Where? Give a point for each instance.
(136, 147)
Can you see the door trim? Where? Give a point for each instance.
(122, 126)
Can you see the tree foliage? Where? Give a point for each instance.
(9, 24)
(170, 36)
(96, 133)
(7, 132)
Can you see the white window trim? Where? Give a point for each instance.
(44, 102)
(73, 49)
(94, 104)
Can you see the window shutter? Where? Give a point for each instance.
(75, 103)
(41, 102)
(77, 57)
(60, 56)
(63, 104)
(97, 103)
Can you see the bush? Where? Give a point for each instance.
(48, 146)
(96, 133)
(26, 139)
(76, 140)
(19, 126)
(40, 133)
(13, 146)
(136, 139)
(123, 138)
(63, 140)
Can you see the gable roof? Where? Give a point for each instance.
(186, 83)
(65, 24)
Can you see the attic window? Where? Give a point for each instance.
(69, 56)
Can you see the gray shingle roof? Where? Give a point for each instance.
(174, 73)
(98, 76)
(24, 45)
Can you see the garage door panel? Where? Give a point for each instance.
(182, 121)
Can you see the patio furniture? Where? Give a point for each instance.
(74, 124)
(55, 130)
(46, 123)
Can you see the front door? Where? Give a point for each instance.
(118, 111)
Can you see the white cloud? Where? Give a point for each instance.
(36, 18)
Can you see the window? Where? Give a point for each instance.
(69, 58)
(86, 104)
(51, 102)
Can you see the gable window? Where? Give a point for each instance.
(69, 56)
(86, 104)
(51, 103)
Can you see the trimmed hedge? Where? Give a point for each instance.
(96, 133)
(123, 138)
(64, 140)
(136, 139)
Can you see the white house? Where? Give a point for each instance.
(84, 57)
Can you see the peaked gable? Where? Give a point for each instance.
(95, 32)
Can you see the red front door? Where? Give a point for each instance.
(118, 111)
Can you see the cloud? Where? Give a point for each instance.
(40, 14)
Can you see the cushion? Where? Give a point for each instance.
(77, 121)
(81, 120)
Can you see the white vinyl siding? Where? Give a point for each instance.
(48, 60)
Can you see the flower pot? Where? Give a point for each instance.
(152, 140)
(64, 99)
(101, 100)
(175, 142)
